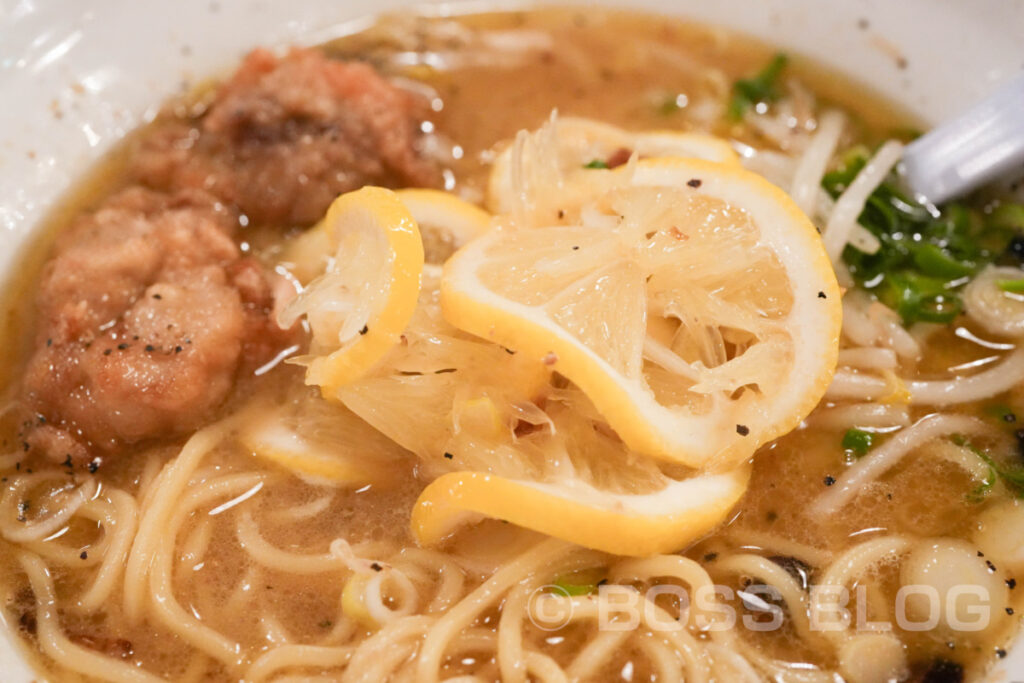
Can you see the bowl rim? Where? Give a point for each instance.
(92, 106)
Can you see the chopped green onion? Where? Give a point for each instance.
(580, 582)
(857, 441)
(933, 260)
(979, 492)
(925, 255)
(670, 105)
(762, 87)
(1008, 216)
(1014, 286)
(1011, 476)
(1001, 411)
(573, 589)
(596, 163)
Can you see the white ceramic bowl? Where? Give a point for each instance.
(76, 75)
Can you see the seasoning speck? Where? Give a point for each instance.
(366, 328)
(84, 555)
(122, 346)
(694, 182)
(376, 566)
(821, 295)
(448, 456)
(150, 348)
(829, 480)
(1011, 583)
(742, 430)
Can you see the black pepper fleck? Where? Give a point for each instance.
(122, 346)
(448, 456)
(694, 182)
(84, 555)
(1000, 652)
(711, 557)
(742, 430)
(1009, 610)
(150, 348)
(829, 480)
(991, 567)
(1011, 583)
(106, 352)
(366, 328)
(376, 567)
(821, 295)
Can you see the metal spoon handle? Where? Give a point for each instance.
(981, 144)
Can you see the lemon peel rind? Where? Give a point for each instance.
(462, 220)
(406, 265)
(616, 523)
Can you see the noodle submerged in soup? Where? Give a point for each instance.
(178, 504)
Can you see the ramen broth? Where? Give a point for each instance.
(636, 71)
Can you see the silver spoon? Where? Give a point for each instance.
(980, 145)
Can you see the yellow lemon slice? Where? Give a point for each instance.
(539, 168)
(359, 307)
(692, 302)
(659, 522)
(445, 221)
(320, 442)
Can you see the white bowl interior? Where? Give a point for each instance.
(77, 75)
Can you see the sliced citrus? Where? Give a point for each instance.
(644, 524)
(320, 442)
(440, 382)
(475, 411)
(538, 168)
(359, 307)
(693, 303)
(445, 222)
